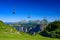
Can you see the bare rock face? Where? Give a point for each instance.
(35, 29)
(21, 28)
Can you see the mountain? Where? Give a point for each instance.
(5, 34)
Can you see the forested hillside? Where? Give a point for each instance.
(52, 30)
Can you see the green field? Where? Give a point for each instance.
(23, 36)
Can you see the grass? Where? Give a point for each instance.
(23, 36)
(7, 34)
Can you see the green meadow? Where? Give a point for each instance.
(23, 36)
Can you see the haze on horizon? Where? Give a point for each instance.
(37, 9)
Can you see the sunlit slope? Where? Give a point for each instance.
(4, 28)
(23, 36)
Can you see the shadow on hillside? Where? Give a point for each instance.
(48, 35)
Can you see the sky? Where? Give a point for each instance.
(36, 9)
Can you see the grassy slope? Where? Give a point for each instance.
(4, 28)
(23, 36)
(7, 34)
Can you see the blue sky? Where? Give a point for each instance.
(38, 9)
